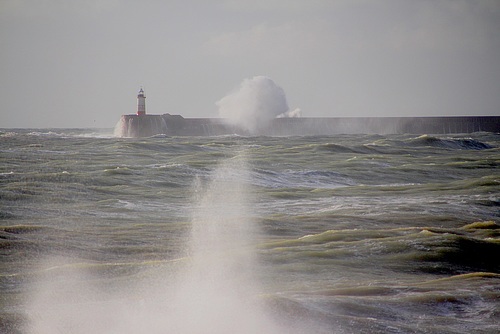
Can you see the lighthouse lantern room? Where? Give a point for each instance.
(141, 103)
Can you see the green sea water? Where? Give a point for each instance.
(231, 234)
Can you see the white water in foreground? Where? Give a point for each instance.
(214, 291)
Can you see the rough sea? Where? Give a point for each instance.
(231, 234)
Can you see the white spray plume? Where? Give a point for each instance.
(214, 290)
(295, 113)
(254, 104)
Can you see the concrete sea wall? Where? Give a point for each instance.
(176, 125)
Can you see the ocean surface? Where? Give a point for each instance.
(330, 234)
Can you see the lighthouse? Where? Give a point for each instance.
(141, 103)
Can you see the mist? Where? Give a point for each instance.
(213, 289)
(253, 104)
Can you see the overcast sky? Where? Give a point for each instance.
(80, 63)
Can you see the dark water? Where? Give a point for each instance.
(338, 234)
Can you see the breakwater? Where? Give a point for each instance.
(176, 125)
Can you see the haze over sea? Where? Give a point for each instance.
(342, 234)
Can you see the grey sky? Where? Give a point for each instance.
(80, 63)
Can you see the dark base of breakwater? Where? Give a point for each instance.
(176, 125)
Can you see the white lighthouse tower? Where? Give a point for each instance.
(141, 103)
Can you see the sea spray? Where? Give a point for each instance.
(218, 292)
(404, 246)
(254, 104)
(212, 290)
